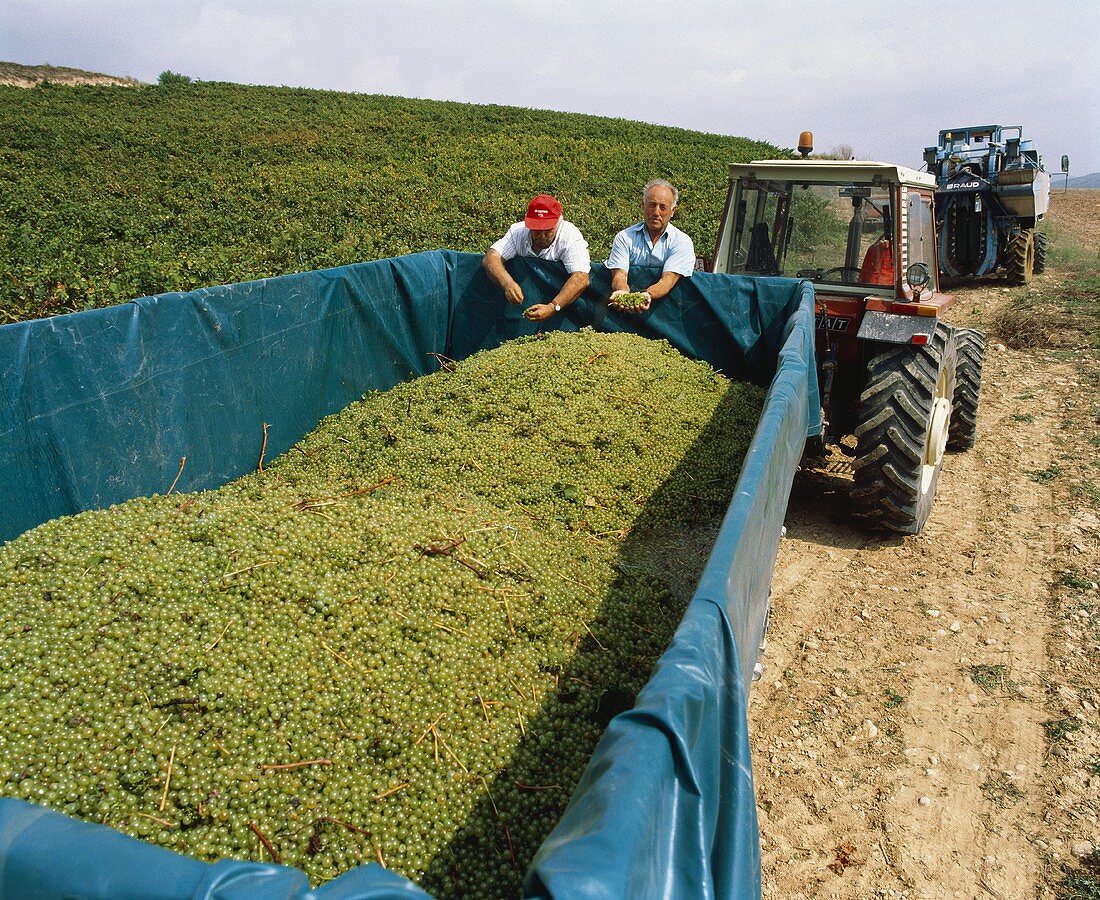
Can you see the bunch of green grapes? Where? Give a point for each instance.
(399, 642)
(632, 300)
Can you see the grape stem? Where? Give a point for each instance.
(218, 639)
(346, 662)
(167, 779)
(163, 822)
(439, 738)
(453, 508)
(183, 460)
(633, 400)
(533, 515)
(512, 682)
(448, 550)
(440, 549)
(271, 767)
(591, 635)
(177, 701)
(392, 790)
(266, 562)
(429, 729)
(445, 363)
(263, 840)
(263, 449)
(496, 812)
(346, 825)
(511, 846)
(311, 502)
(580, 584)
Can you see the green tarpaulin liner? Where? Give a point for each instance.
(193, 389)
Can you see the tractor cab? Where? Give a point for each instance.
(853, 228)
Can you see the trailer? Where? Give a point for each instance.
(100, 407)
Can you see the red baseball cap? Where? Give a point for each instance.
(543, 213)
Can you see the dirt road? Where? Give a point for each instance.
(926, 725)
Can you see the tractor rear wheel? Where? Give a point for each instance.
(904, 420)
(1041, 246)
(968, 383)
(1020, 257)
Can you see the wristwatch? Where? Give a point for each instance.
(557, 307)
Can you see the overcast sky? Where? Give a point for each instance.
(880, 77)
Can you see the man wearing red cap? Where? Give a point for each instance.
(545, 234)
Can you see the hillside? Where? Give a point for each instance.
(109, 194)
(19, 75)
(1088, 182)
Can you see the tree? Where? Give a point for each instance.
(168, 78)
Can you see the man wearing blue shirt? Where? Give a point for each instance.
(654, 241)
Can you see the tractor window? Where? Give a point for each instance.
(921, 242)
(760, 227)
(820, 227)
(838, 232)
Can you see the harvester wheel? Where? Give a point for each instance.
(968, 384)
(904, 420)
(1041, 245)
(1020, 257)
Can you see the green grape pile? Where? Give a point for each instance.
(397, 643)
(632, 300)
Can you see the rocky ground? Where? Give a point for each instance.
(926, 725)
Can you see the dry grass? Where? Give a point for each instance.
(1024, 323)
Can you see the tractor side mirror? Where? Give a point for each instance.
(917, 277)
(1065, 164)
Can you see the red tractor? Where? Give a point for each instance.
(892, 373)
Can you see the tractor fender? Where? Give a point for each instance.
(892, 328)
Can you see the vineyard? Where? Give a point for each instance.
(111, 193)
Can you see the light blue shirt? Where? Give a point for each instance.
(673, 251)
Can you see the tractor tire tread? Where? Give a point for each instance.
(895, 415)
(1020, 258)
(963, 432)
(1042, 246)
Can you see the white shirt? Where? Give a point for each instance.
(568, 247)
(673, 251)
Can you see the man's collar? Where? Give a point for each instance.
(645, 231)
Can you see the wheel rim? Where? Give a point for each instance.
(938, 428)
